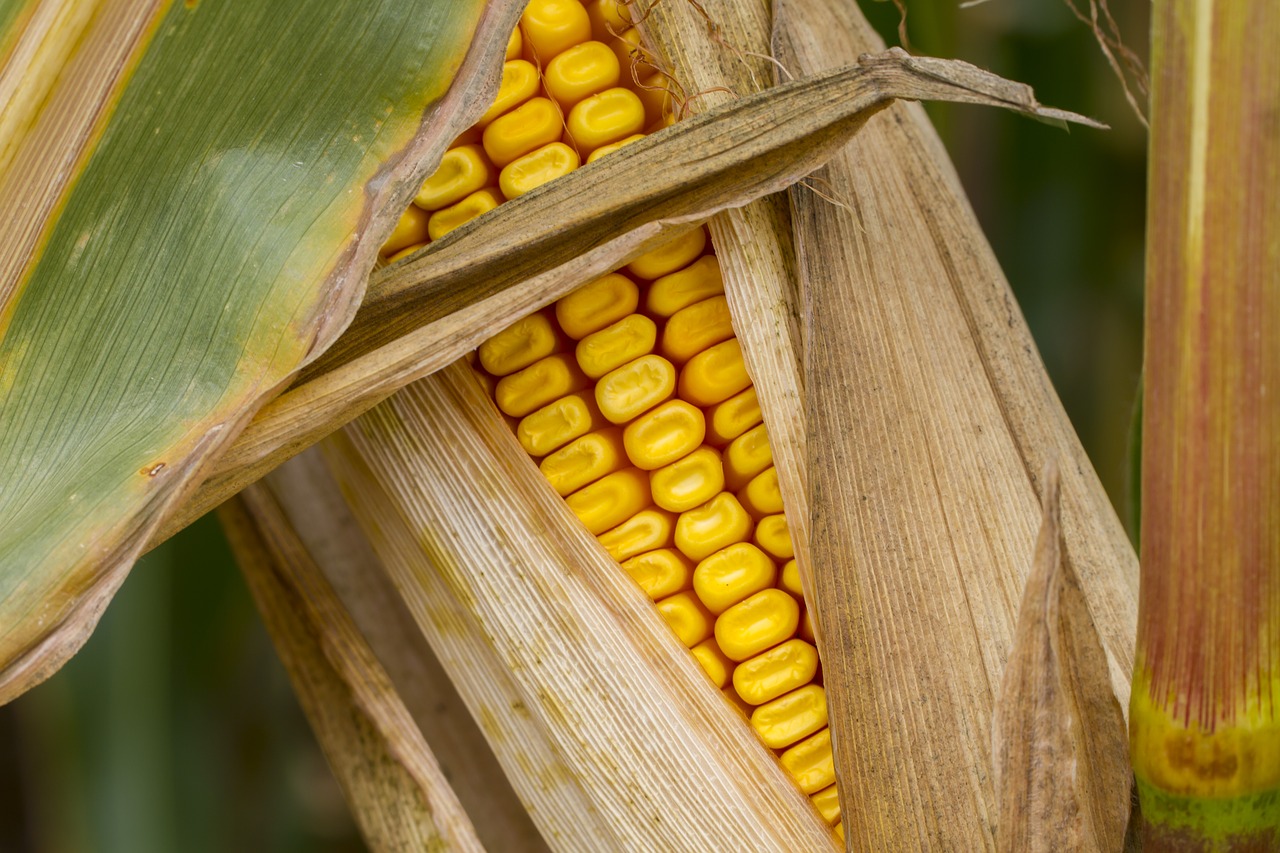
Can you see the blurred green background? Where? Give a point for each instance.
(175, 729)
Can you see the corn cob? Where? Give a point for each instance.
(631, 392)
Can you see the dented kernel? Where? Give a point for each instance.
(675, 254)
(789, 718)
(761, 496)
(635, 388)
(714, 375)
(581, 71)
(827, 802)
(718, 523)
(687, 617)
(615, 345)
(595, 305)
(584, 460)
(536, 168)
(531, 125)
(475, 205)
(610, 500)
(688, 482)
(538, 384)
(605, 117)
(730, 419)
(519, 84)
(647, 530)
(695, 328)
(760, 622)
(664, 434)
(810, 762)
(552, 26)
(717, 667)
(790, 579)
(747, 456)
(462, 171)
(773, 535)
(660, 573)
(780, 670)
(558, 423)
(731, 575)
(698, 281)
(519, 345)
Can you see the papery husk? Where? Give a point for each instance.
(480, 547)
(306, 502)
(398, 794)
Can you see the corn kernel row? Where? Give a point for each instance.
(632, 392)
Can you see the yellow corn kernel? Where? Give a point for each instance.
(552, 26)
(615, 345)
(730, 419)
(410, 230)
(810, 763)
(827, 802)
(630, 54)
(536, 168)
(610, 500)
(515, 44)
(838, 829)
(558, 423)
(717, 667)
(647, 530)
(663, 435)
(731, 575)
(806, 626)
(778, 671)
(746, 457)
(687, 617)
(675, 254)
(773, 535)
(519, 345)
(693, 329)
(477, 204)
(605, 150)
(531, 125)
(462, 171)
(597, 304)
(655, 95)
(717, 524)
(605, 117)
(609, 18)
(581, 71)
(760, 622)
(519, 84)
(584, 460)
(761, 496)
(714, 375)
(635, 388)
(538, 384)
(660, 573)
(789, 718)
(741, 707)
(405, 252)
(470, 136)
(698, 281)
(790, 579)
(688, 482)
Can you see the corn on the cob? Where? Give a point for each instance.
(632, 392)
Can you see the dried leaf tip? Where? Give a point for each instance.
(985, 87)
(1061, 767)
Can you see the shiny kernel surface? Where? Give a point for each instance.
(778, 671)
(676, 254)
(810, 763)
(827, 802)
(597, 304)
(718, 523)
(695, 328)
(515, 44)
(761, 496)
(687, 617)
(538, 384)
(558, 423)
(790, 579)
(660, 573)
(584, 460)
(789, 718)
(454, 216)
(551, 26)
(531, 125)
(519, 84)
(717, 667)
(647, 530)
(610, 500)
(519, 345)
(606, 150)
(581, 71)
(688, 482)
(773, 535)
(695, 283)
(462, 171)
(537, 168)
(806, 626)
(635, 388)
(746, 456)
(733, 574)
(608, 19)
(664, 434)
(730, 419)
(605, 117)
(714, 375)
(410, 230)
(752, 626)
(616, 344)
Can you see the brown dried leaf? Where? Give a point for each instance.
(1059, 743)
